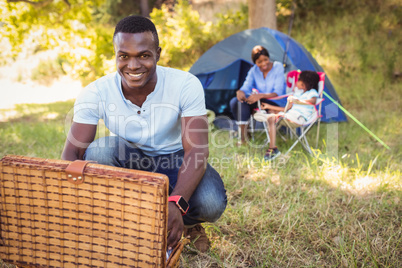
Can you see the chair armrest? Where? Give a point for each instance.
(317, 102)
(279, 97)
(256, 91)
(297, 101)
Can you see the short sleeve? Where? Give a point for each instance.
(87, 107)
(312, 93)
(192, 99)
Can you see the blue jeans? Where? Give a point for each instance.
(208, 200)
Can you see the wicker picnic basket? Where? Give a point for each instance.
(56, 213)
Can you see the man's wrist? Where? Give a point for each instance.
(180, 202)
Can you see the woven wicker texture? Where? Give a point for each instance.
(115, 218)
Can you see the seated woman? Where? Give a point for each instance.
(305, 92)
(265, 76)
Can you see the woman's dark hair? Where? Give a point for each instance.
(136, 24)
(310, 79)
(257, 52)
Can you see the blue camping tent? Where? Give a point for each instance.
(223, 68)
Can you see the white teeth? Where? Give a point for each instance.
(135, 75)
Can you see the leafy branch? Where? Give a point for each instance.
(37, 4)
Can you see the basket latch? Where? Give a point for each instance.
(75, 171)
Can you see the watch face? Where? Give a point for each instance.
(183, 204)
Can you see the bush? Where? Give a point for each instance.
(47, 71)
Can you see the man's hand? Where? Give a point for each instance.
(175, 225)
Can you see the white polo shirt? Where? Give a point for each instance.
(155, 127)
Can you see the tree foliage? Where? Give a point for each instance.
(81, 31)
(184, 37)
(54, 21)
(70, 27)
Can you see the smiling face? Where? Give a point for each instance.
(263, 63)
(136, 58)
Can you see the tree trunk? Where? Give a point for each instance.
(261, 13)
(144, 6)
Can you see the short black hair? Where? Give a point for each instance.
(257, 52)
(136, 24)
(310, 79)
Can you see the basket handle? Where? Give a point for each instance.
(75, 171)
(174, 258)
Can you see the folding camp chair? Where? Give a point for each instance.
(291, 80)
(300, 130)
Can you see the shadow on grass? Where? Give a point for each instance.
(36, 113)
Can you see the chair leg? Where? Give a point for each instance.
(283, 137)
(307, 146)
(302, 138)
(252, 127)
(292, 131)
(253, 130)
(304, 142)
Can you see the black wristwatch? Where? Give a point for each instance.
(180, 202)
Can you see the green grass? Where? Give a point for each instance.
(304, 212)
(34, 129)
(299, 211)
(37, 130)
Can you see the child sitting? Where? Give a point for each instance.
(305, 92)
